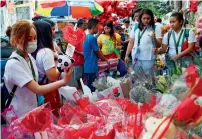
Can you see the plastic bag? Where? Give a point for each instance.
(166, 105)
(126, 86)
(54, 131)
(105, 132)
(113, 92)
(67, 111)
(79, 131)
(67, 92)
(83, 102)
(9, 115)
(124, 103)
(92, 109)
(70, 133)
(123, 132)
(103, 66)
(191, 75)
(111, 110)
(35, 121)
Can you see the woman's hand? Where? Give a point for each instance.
(80, 53)
(153, 35)
(155, 51)
(126, 34)
(119, 47)
(176, 58)
(55, 54)
(68, 74)
(126, 59)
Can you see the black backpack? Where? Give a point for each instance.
(6, 96)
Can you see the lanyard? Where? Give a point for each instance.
(140, 35)
(178, 41)
(32, 67)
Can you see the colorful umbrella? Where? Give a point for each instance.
(61, 8)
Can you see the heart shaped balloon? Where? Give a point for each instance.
(75, 37)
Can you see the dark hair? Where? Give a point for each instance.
(126, 21)
(110, 25)
(8, 31)
(92, 22)
(44, 36)
(179, 16)
(149, 12)
(137, 10)
(38, 17)
(159, 20)
(117, 27)
(50, 22)
(80, 22)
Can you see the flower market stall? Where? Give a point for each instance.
(145, 113)
(136, 106)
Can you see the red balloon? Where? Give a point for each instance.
(121, 9)
(100, 27)
(3, 3)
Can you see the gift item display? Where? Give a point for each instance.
(121, 69)
(108, 115)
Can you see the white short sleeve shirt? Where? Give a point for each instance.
(19, 73)
(132, 32)
(172, 49)
(146, 43)
(44, 61)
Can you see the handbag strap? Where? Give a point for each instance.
(43, 79)
(140, 36)
(31, 64)
(178, 40)
(12, 93)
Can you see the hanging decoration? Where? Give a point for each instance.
(113, 10)
(3, 3)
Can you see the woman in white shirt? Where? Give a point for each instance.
(56, 47)
(173, 42)
(45, 62)
(143, 39)
(23, 72)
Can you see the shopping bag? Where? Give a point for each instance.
(67, 92)
(126, 86)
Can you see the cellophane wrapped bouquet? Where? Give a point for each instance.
(148, 113)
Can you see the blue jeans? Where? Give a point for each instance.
(90, 78)
(122, 68)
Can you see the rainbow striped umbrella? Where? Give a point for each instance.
(67, 8)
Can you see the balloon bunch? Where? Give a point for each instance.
(193, 6)
(113, 10)
(2, 3)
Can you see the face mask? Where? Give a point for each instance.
(32, 46)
